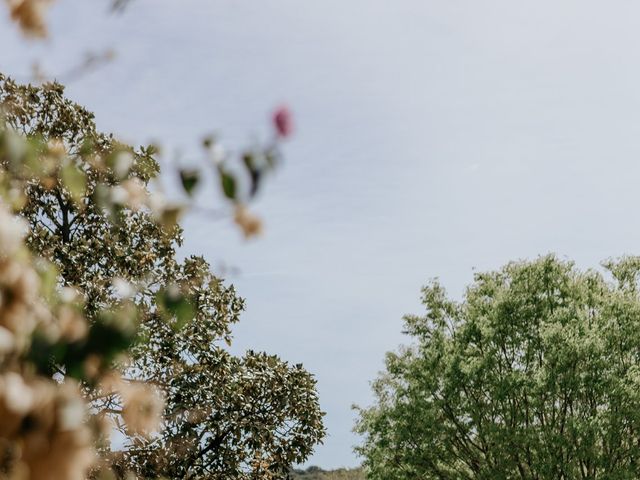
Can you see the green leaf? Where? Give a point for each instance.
(255, 173)
(190, 179)
(228, 182)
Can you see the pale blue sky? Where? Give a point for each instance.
(433, 137)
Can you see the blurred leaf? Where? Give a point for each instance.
(175, 305)
(87, 147)
(255, 173)
(228, 184)
(49, 280)
(170, 216)
(208, 141)
(75, 181)
(272, 157)
(190, 179)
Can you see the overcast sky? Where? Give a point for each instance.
(433, 137)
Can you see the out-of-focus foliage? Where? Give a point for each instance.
(125, 326)
(29, 15)
(51, 357)
(535, 375)
(111, 245)
(317, 473)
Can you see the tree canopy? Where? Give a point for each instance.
(224, 416)
(535, 374)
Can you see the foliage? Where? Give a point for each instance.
(29, 15)
(90, 213)
(45, 427)
(535, 374)
(317, 473)
(229, 417)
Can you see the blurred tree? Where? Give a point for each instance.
(317, 473)
(535, 375)
(224, 416)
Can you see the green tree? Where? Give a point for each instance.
(317, 473)
(224, 416)
(534, 375)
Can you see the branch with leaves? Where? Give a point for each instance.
(135, 336)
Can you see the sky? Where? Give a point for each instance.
(433, 139)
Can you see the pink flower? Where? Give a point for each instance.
(283, 121)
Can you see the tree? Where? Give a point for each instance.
(534, 375)
(317, 473)
(45, 429)
(224, 416)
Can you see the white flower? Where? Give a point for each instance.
(122, 164)
(12, 231)
(217, 154)
(122, 288)
(7, 340)
(157, 203)
(71, 414)
(68, 294)
(18, 396)
(119, 195)
(142, 409)
(136, 193)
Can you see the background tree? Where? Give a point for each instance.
(225, 416)
(317, 473)
(534, 375)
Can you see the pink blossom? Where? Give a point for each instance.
(283, 121)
